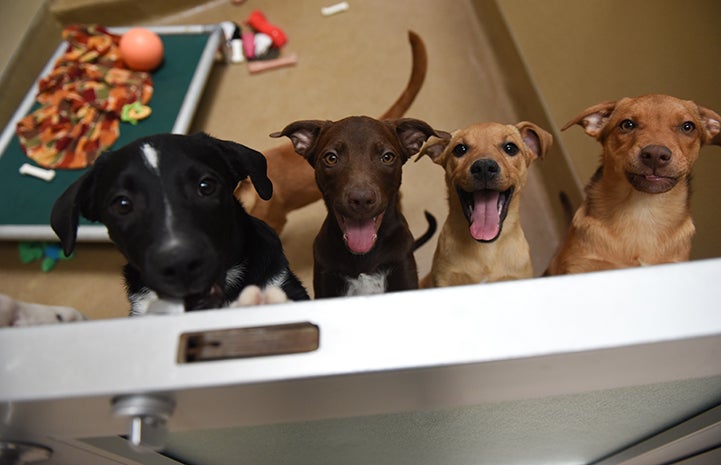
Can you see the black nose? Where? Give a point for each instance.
(485, 170)
(174, 267)
(655, 156)
(361, 199)
(179, 270)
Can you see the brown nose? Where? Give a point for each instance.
(361, 199)
(655, 156)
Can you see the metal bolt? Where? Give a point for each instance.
(149, 414)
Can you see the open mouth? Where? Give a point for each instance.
(485, 210)
(359, 235)
(651, 183)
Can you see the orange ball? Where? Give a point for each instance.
(141, 49)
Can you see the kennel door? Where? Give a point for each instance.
(532, 372)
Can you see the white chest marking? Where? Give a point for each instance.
(277, 280)
(234, 276)
(147, 302)
(367, 284)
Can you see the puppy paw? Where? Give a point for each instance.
(39, 315)
(253, 295)
(15, 313)
(275, 295)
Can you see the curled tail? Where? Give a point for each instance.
(426, 236)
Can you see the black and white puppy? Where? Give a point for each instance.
(167, 202)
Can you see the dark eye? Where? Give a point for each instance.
(388, 158)
(330, 158)
(627, 125)
(460, 150)
(510, 148)
(207, 186)
(121, 205)
(688, 127)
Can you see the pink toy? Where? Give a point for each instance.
(248, 44)
(258, 22)
(265, 65)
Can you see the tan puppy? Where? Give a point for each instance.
(486, 168)
(636, 210)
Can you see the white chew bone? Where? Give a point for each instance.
(333, 9)
(37, 172)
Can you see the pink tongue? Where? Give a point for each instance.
(485, 220)
(359, 235)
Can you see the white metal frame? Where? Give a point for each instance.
(427, 349)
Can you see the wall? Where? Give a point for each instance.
(578, 53)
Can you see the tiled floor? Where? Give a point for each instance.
(356, 62)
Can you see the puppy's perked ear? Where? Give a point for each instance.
(712, 126)
(593, 119)
(434, 148)
(78, 199)
(412, 134)
(537, 139)
(245, 162)
(303, 135)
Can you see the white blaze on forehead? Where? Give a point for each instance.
(150, 157)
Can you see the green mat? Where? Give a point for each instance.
(27, 201)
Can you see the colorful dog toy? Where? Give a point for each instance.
(49, 253)
(133, 112)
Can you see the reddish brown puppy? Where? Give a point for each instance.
(636, 210)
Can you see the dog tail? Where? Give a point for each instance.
(432, 225)
(415, 82)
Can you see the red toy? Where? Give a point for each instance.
(258, 22)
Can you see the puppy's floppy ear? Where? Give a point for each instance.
(78, 199)
(303, 135)
(240, 161)
(593, 119)
(243, 162)
(254, 164)
(538, 140)
(434, 148)
(412, 134)
(712, 125)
